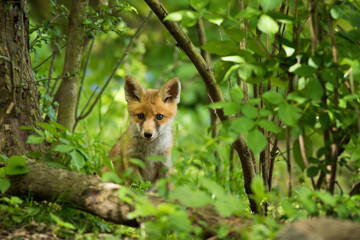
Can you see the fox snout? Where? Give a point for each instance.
(148, 129)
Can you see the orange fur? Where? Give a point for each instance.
(147, 135)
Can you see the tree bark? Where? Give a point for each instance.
(102, 199)
(323, 228)
(213, 89)
(66, 95)
(19, 98)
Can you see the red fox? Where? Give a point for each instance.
(152, 113)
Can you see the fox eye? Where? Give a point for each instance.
(159, 116)
(140, 116)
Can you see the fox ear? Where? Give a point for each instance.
(133, 89)
(170, 91)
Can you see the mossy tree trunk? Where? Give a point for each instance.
(67, 93)
(19, 98)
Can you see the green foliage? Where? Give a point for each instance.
(291, 83)
(71, 148)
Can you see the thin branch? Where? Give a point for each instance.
(259, 44)
(51, 68)
(288, 160)
(304, 157)
(46, 59)
(312, 27)
(352, 90)
(83, 77)
(119, 62)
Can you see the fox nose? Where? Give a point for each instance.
(148, 135)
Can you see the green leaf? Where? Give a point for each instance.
(249, 111)
(269, 126)
(221, 69)
(256, 140)
(47, 126)
(242, 124)
(27, 128)
(4, 184)
(235, 59)
(234, 33)
(190, 198)
(289, 114)
(258, 188)
(236, 94)
(312, 171)
(313, 89)
(305, 71)
(214, 18)
(187, 17)
(248, 13)
(245, 70)
(199, 4)
(63, 148)
(221, 48)
(137, 162)
(32, 139)
(78, 159)
(267, 25)
(229, 108)
(61, 223)
(212, 186)
(218, 5)
(297, 153)
(58, 125)
(16, 165)
(273, 97)
(268, 5)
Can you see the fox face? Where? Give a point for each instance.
(152, 111)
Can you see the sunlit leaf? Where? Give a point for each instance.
(63, 148)
(267, 25)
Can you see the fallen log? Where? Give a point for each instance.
(320, 228)
(90, 194)
(44, 182)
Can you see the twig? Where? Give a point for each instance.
(304, 157)
(51, 68)
(288, 160)
(8, 111)
(259, 44)
(312, 27)
(352, 90)
(83, 77)
(119, 62)
(36, 38)
(46, 59)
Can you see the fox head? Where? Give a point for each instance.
(152, 111)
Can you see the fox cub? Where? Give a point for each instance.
(152, 113)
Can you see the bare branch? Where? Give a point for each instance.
(119, 62)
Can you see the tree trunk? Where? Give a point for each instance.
(19, 98)
(67, 93)
(102, 199)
